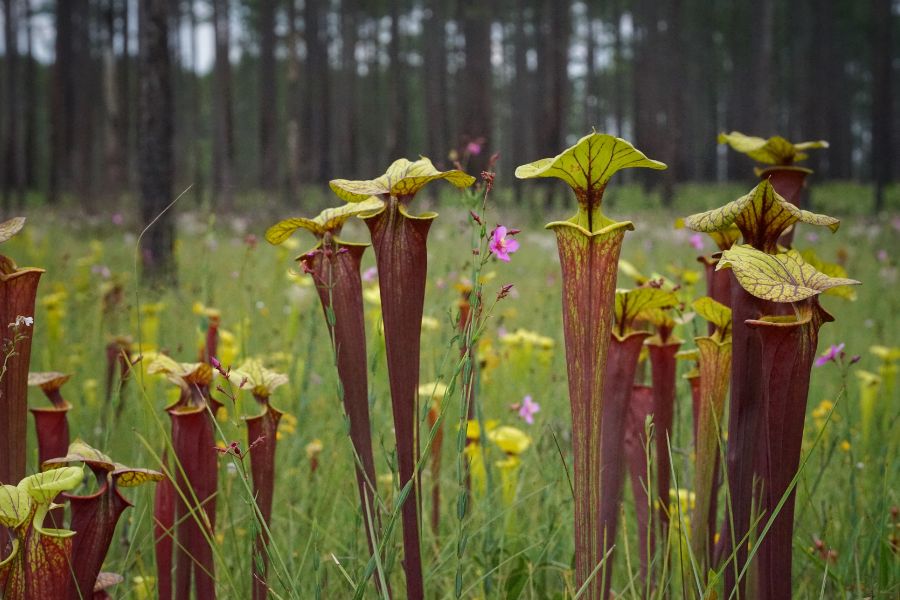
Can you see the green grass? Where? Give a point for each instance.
(844, 496)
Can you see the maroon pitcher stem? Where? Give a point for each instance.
(399, 241)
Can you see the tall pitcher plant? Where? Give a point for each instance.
(334, 265)
(589, 244)
(399, 240)
(762, 216)
(18, 288)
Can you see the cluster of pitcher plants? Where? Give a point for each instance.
(749, 391)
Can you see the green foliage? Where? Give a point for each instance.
(844, 496)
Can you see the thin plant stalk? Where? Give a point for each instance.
(638, 451)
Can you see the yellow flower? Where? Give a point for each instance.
(434, 390)
(528, 339)
(430, 323)
(511, 440)
(473, 429)
(144, 587)
(200, 309)
(869, 388)
(845, 446)
(301, 279)
(372, 295)
(89, 388)
(488, 358)
(509, 477)
(259, 380)
(681, 506)
(286, 426)
(820, 413)
(150, 315)
(477, 471)
(885, 353)
(314, 448)
(184, 375)
(228, 348)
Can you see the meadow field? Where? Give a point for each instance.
(518, 540)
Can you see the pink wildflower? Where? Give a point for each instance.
(697, 241)
(473, 148)
(370, 274)
(833, 354)
(502, 246)
(528, 408)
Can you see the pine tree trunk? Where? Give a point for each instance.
(268, 110)
(882, 153)
(223, 127)
(397, 135)
(14, 180)
(435, 49)
(155, 137)
(475, 116)
(295, 102)
(31, 102)
(349, 114)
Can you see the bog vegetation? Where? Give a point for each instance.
(455, 411)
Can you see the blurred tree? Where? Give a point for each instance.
(475, 110)
(294, 100)
(14, 172)
(268, 109)
(398, 92)
(437, 135)
(347, 95)
(155, 138)
(316, 134)
(882, 121)
(223, 112)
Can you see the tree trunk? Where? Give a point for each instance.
(437, 135)
(114, 171)
(223, 126)
(475, 116)
(62, 104)
(31, 102)
(349, 130)
(155, 141)
(317, 113)
(126, 96)
(739, 113)
(397, 135)
(522, 122)
(761, 33)
(838, 110)
(14, 180)
(618, 70)
(194, 113)
(591, 98)
(294, 102)
(268, 110)
(882, 153)
(86, 98)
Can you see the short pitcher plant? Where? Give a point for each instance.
(18, 289)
